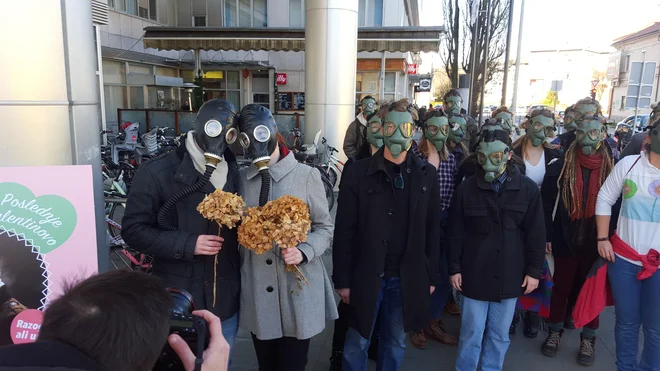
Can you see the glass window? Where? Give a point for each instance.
(234, 97)
(261, 99)
(164, 71)
(377, 19)
(260, 11)
(139, 69)
(152, 10)
(370, 82)
(390, 82)
(245, 16)
(362, 12)
(260, 82)
(114, 97)
(199, 21)
(118, 4)
(132, 7)
(233, 80)
(137, 96)
(188, 76)
(296, 13)
(143, 9)
(157, 96)
(231, 13)
(114, 72)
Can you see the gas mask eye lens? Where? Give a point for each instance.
(407, 129)
(594, 133)
(538, 126)
(375, 127)
(231, 135)
(390, 128)
(213, 128)
(481, 158)
(370, 105)
(433, 130)
(444, 129)
(497, 157)
(455, 126)
(261, 133)
(244, 140)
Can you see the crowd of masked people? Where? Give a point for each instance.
(463, 220)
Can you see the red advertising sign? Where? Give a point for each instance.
(280, 79)
(412, 69)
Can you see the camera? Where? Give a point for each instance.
(192, 329)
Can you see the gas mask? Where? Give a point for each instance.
(587, 110)
(569, 121)
(457, 128)
(374, 135)
(655, 139)
(589, 135)
(655, 113)
(452, 105)
(436, 130)
(398, 131)
(215, 129)
(493, 153)
(368, 106)
(258, 133)
(507, 120)
(540, 128)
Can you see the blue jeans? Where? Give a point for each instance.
(635, 303)
(392, 343)
(229, 331)
(492, 318)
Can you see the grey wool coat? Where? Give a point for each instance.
(273, 304)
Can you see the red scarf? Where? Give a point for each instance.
(593, 162)
(283, 152)
(649, 261)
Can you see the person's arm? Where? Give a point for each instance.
(456, 231)
(140, 224)
(534, 231)
(320, 236)
(607, 197)
(346, 230)
(351, 140)
(433, 248)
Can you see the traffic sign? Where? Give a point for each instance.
(594, 83)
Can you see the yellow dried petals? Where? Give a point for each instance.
(223, 208)
(253, 232)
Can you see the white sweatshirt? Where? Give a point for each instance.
(639, 220)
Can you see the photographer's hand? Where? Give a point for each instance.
(216, 356)
(208, 244)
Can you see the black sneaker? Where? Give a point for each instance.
(531, 322)
(569, 323)
(551, 344)
(335, 360)
(514, 324)
(587, 355)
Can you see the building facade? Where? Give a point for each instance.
(624, 70)
(135, 77)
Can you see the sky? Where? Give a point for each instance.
(559, 24)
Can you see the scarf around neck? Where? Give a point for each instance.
(593, 162)
(219, 176)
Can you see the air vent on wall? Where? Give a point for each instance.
(99, 12)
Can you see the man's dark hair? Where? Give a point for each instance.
(367, 97)
(452, 93)
(120, 319)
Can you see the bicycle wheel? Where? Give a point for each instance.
(329, 192)
(116, 215)
(333, 176)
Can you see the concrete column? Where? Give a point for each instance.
(330, 63)
(49, 96)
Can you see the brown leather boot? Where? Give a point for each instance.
(453, 309)
(437, 331)
(418, 339)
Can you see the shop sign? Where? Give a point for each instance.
(280, 79)
(47, 238)
(424, 85)
(412, 69)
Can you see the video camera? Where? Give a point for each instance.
(192, 329)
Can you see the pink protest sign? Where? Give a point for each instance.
(47, 238)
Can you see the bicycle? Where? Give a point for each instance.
(295, 139)
(329, 189)
(115, 205)
(333, 167)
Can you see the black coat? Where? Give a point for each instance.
(496, 238)
(363, 219)
(45, 355)
(157, 181)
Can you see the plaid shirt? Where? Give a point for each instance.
(446, 176)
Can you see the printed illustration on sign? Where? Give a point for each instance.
(280, 79)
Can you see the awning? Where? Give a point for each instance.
(390, 39)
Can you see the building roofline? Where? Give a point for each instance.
(568, 50)
(650, 30)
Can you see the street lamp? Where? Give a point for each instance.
(189, 86)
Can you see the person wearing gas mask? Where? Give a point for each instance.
(542, 164)
(386, 243)
(565, 139)
(162, 220)
(455, 142)
(588, 162)
(506, 118)
(588, 107)
(432, 148)
(282, 315)
(632, 252)
(635, 145)
(452, 105)
(496, 250)
(355, 136)
(374, 142)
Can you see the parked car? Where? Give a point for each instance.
(640, 123)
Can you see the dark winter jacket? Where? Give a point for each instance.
(175, 262)
(45, 355)
(364, 217)
(496, 238)
(355, 138)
